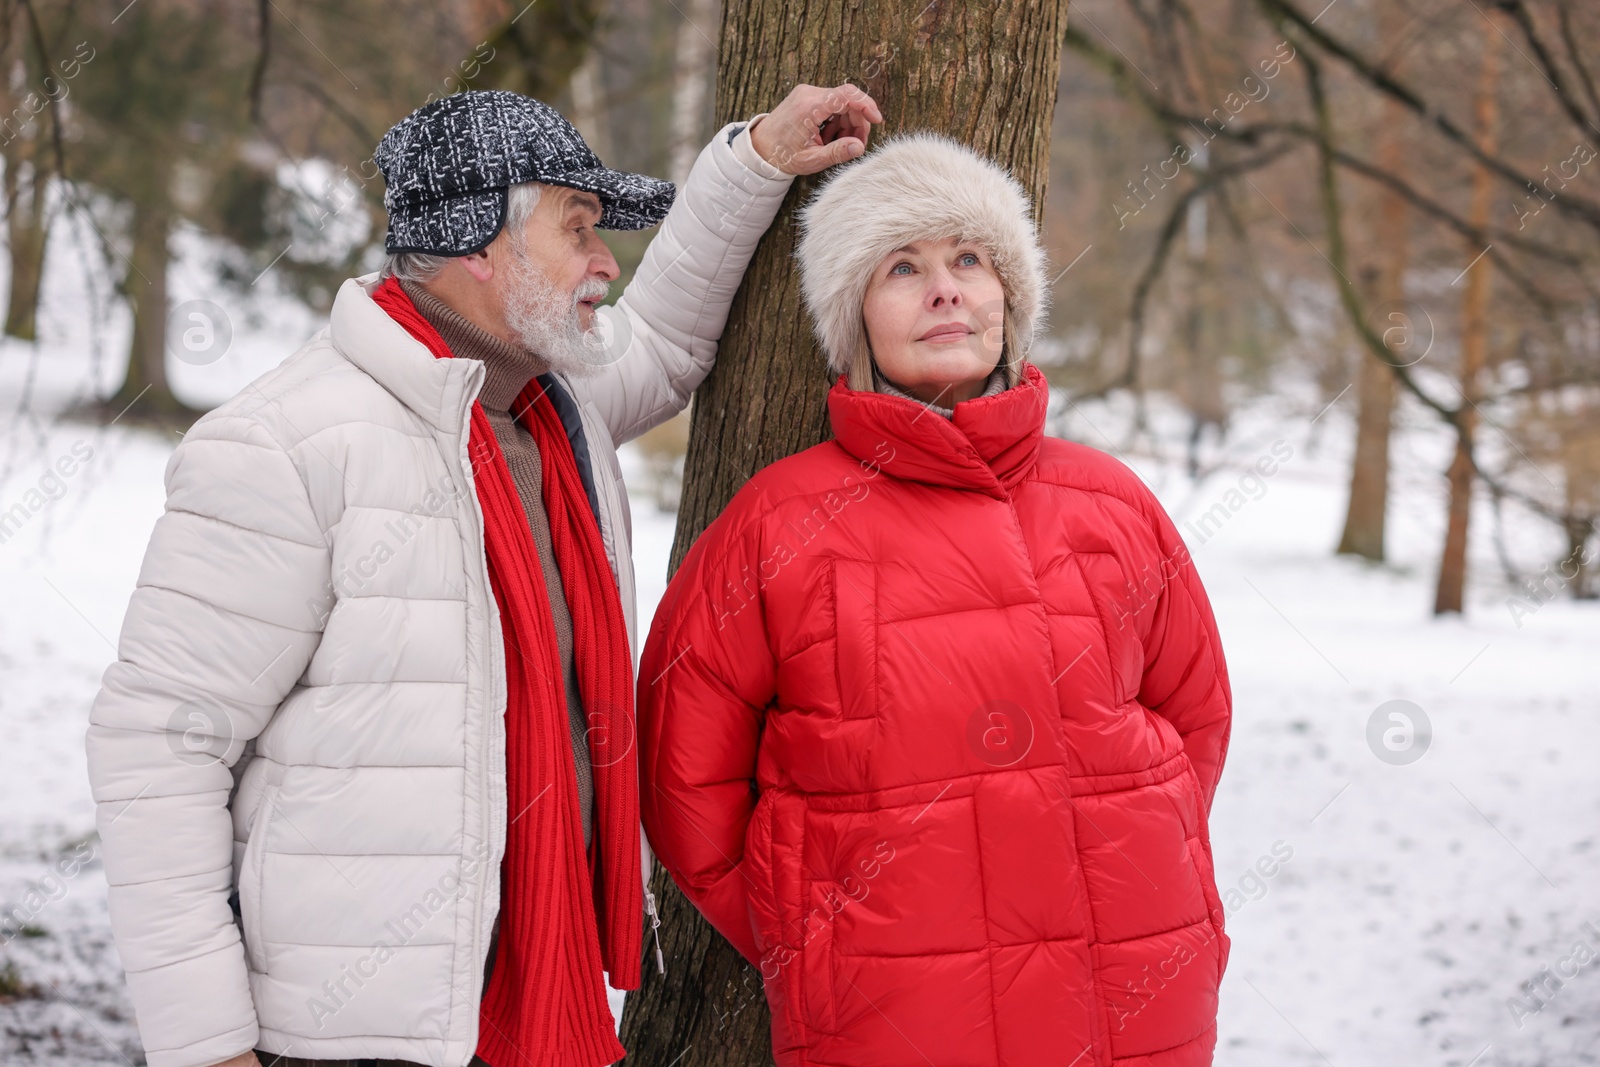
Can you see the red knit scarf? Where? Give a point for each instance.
(546, 1003)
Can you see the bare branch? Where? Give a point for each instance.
(259, 76)
(1208, 180)
(342, 113)
(1581, 208)
(1558, 82)
(1575, 57)
(1168, 116)
(37, 35)
(1351, 301)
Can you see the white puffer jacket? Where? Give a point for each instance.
(314, 608)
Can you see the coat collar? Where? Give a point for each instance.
(438, 390)
(989, 444)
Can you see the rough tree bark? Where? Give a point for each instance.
(984, 72)
(1450, 595)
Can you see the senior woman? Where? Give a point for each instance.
(932, 715)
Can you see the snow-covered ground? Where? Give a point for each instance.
(1381, 912)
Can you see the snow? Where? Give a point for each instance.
(1415, 899)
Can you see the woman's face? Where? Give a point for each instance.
(934, 313)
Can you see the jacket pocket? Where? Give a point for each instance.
(757, 864)
(1214, 909)
(1205, 869)
(855, 598)
(252, 869)
(817, 966)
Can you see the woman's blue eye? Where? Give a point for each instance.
(972, 256)
(896, 268)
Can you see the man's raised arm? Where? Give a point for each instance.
(665, 328)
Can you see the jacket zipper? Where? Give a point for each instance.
(1099, 1022)
(655, 926)
(464, 467)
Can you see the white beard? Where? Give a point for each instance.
(545, 320)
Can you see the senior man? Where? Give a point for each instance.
(364, 766)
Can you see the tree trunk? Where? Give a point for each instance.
(983, 72)
(1577, 566)
(1450, 596)
(145, 394)
(1202, 373)
(1367, 512)
(694, 57)
(537, 50)
(27, 230)
(589, 112)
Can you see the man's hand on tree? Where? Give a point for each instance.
(814, 128)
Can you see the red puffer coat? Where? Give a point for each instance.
(931, 718)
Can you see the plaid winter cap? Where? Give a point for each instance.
(447, 166)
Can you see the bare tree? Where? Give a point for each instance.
(1474, 334)
(34, 46)
(1420, 203)
(163, 93)
(1366, 513)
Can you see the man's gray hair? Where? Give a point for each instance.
(420, 267)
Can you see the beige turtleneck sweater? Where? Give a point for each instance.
(508, 369)
(996, 383)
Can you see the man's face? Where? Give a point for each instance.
(552, 276)
(565, 248)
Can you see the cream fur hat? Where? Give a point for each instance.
(915, 186)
